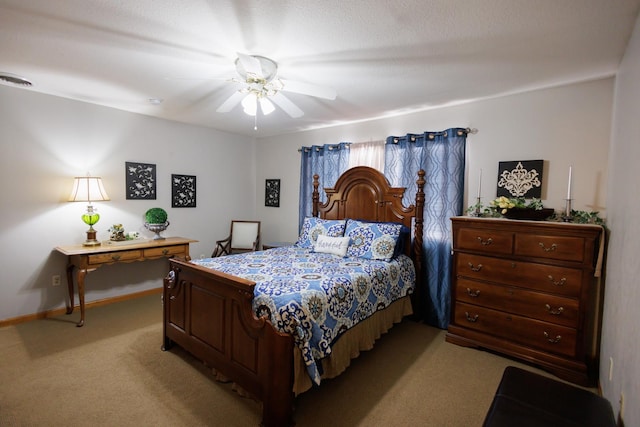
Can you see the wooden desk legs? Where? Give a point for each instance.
(80, 279)
(70, 288)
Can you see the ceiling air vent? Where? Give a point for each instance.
(14, 80)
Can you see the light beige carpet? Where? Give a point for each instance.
(111, 372)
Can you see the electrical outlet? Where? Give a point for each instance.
(610, 368)
(55, 280)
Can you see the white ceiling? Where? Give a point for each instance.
(383, 57)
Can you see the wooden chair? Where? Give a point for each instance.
(244, 237)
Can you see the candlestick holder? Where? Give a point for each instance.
(567, 211)
(478, 204)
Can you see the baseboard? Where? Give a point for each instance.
(88, 305)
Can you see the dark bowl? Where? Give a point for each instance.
(528, 214)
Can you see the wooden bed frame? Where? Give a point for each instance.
(210, 315)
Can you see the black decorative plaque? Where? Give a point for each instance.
(183, 191)
(141, 181)
(272, 193)
(522, 178)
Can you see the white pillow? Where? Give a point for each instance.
(332, 245)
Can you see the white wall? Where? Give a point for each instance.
(568, 125)
(46, 141)
(622, 296)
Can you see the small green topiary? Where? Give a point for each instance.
(156, 216)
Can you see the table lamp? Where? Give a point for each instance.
(89, 189)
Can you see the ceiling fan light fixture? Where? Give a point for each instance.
(261, 85)
(266, 106)
(250, 104)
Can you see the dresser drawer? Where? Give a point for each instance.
(536, 305)
(564, 248)
(545, 336)
(165, 251)
(541, 277)
(488, 241)
(115, 256)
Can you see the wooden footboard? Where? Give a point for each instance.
(209, 314)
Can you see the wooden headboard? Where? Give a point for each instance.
(364, 193)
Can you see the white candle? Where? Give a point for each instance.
(479, 183)
(569, 185)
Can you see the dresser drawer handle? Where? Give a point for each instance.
(115, 257)
(552, 248)
(485, 242)
(555, 311)
(473, 292)
(470, 318)
(560, 282)
(474, 268)
(552, 340)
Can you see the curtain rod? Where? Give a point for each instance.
(330, 146)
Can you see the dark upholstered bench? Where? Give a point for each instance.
(526, 399)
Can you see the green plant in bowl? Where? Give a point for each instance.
(156, 221)
(156, 216)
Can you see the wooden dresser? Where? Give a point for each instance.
(527, 289)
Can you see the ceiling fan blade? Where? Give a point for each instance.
(308, 89)
(250, 64)
(289, 107)
(231, 102)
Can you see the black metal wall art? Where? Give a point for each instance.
(140, 181)
(183, 191)
(272, 193)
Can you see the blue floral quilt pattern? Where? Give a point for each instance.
(316, 297)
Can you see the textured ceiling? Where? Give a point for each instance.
(382, 57)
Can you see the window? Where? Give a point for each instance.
(367, 154)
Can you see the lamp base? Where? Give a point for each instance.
(91, 239)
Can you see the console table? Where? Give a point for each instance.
(89, 258)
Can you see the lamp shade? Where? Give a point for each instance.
(88, 189)
(250, 104)
(266, 106)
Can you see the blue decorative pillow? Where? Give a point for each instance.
(372, 240)
(312, 227)
(403, 239)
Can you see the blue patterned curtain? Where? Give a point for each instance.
(442, 156)
(329, 161)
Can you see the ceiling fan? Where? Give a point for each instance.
(261, 86)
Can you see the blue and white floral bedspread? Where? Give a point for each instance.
(316, 296)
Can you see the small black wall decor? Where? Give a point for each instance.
(521, 178)
(272, 193)
(140, 181)
(183, 191)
